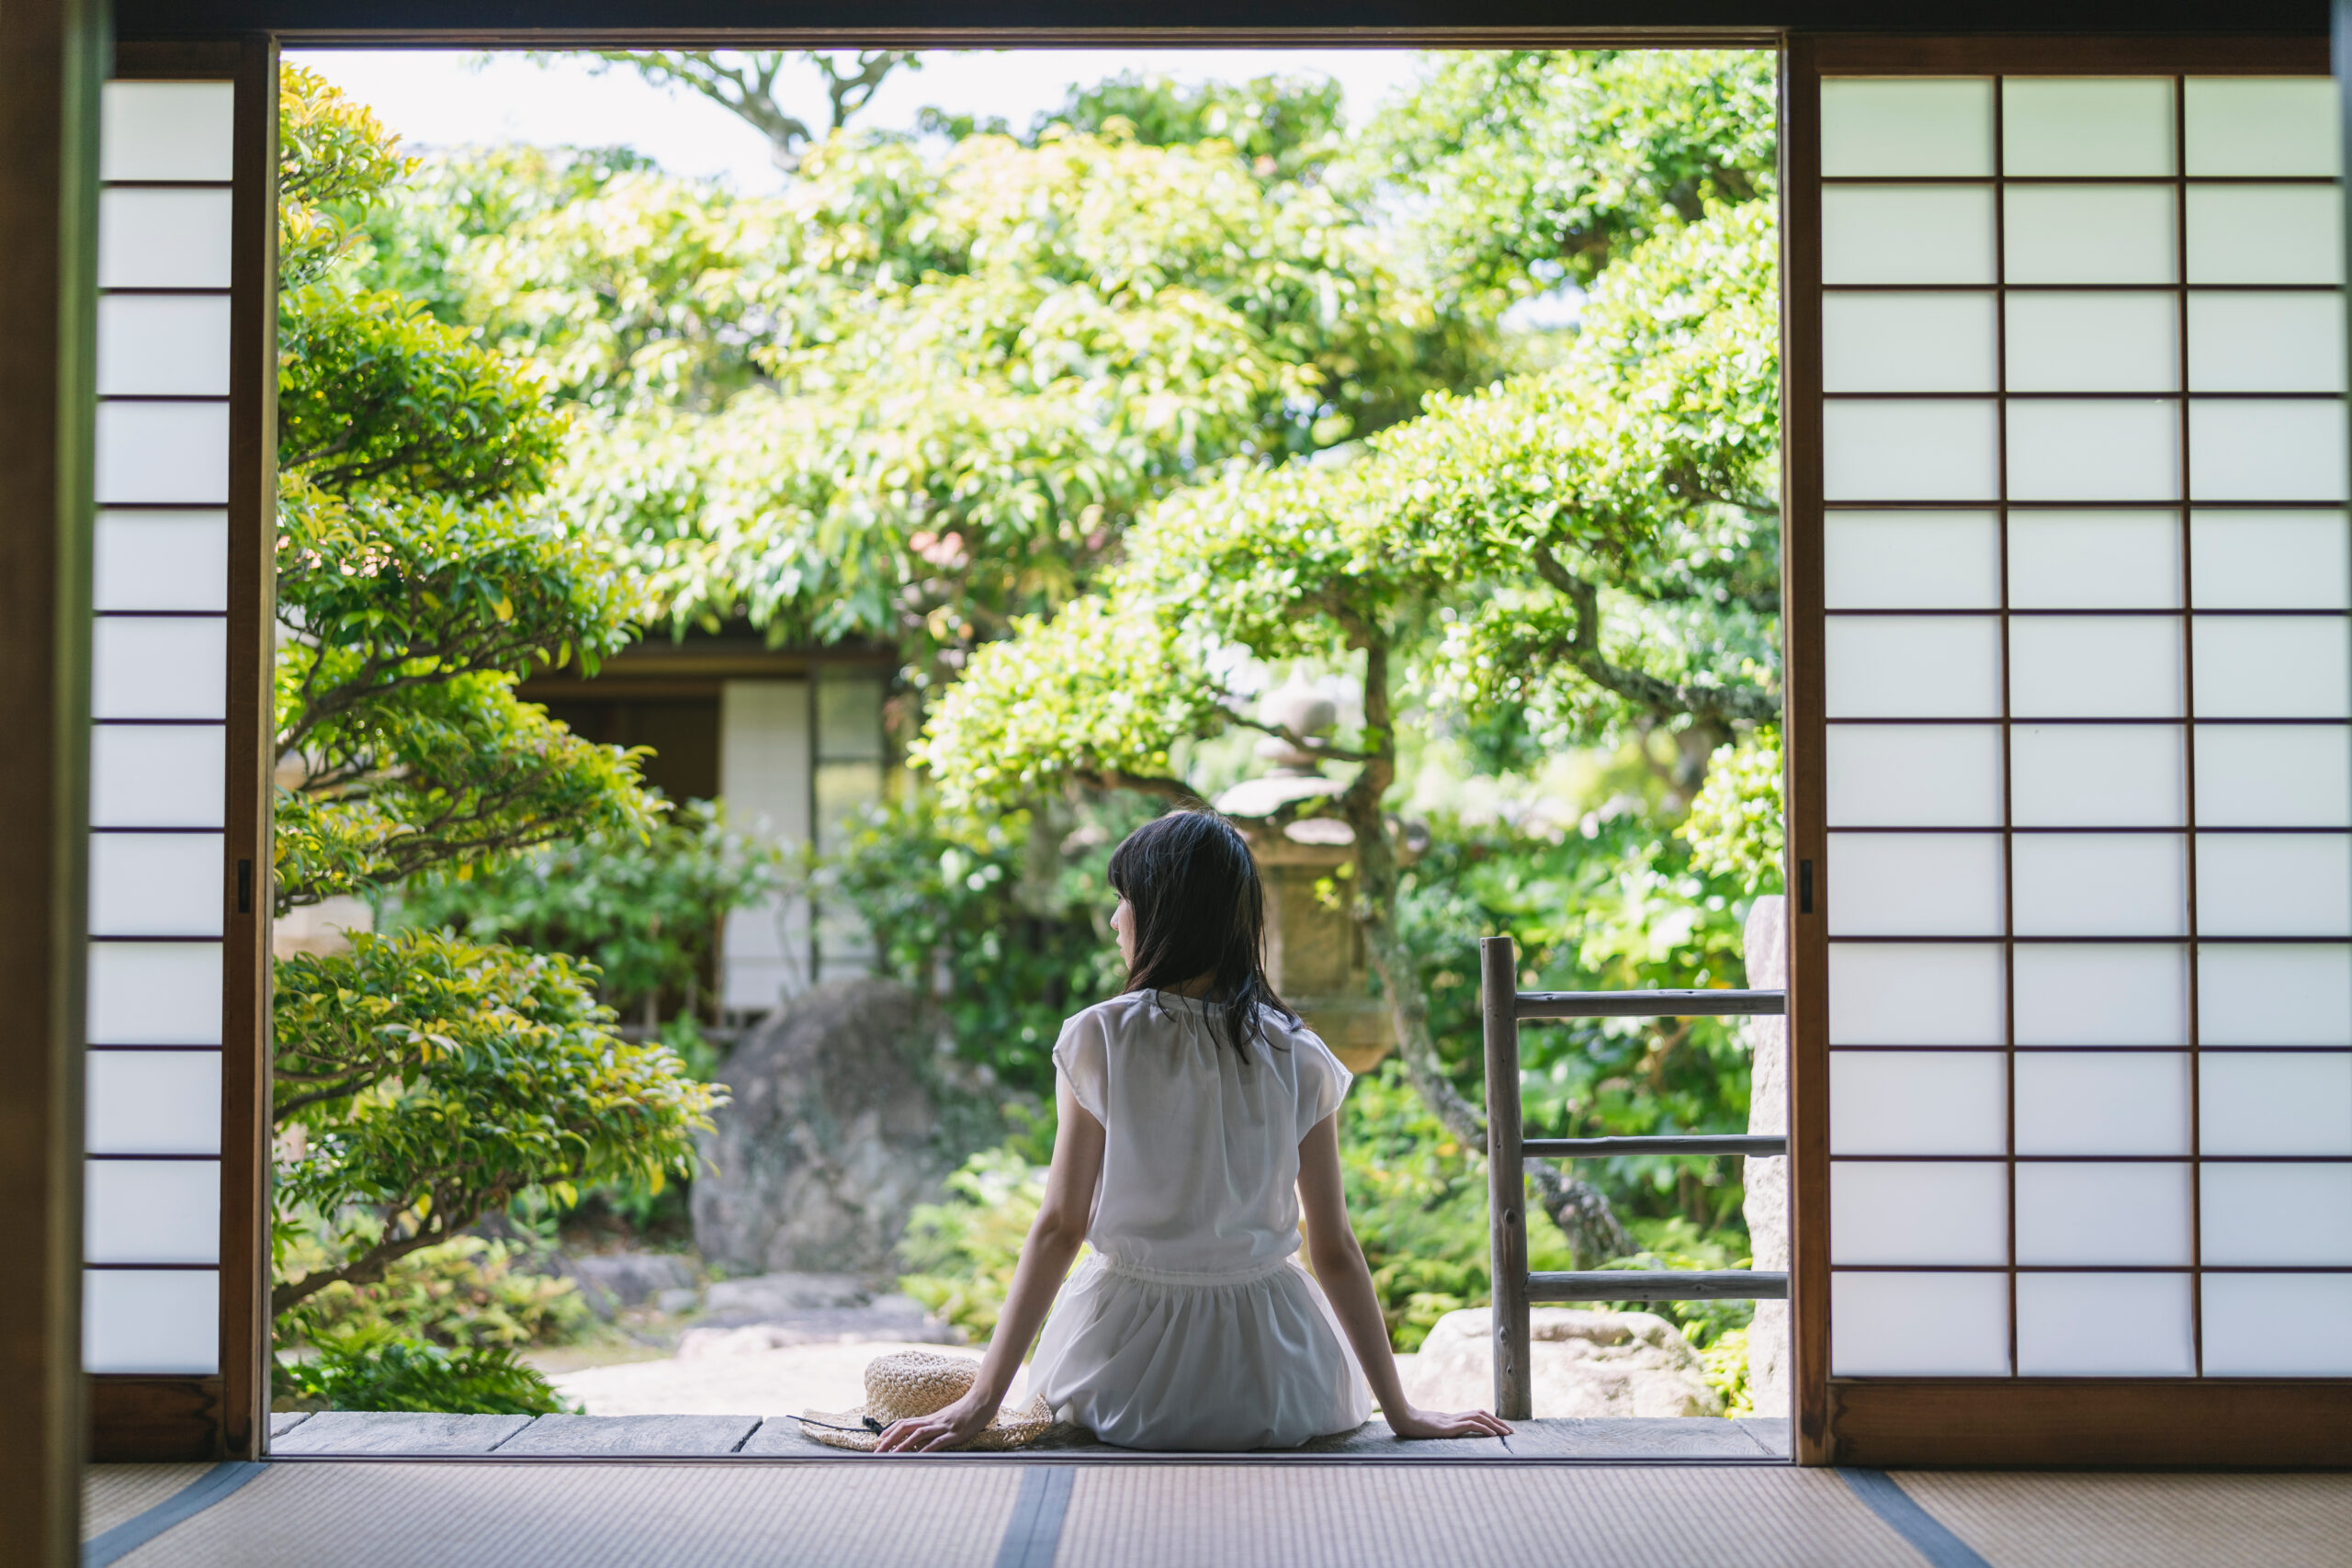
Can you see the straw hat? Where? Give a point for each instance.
(907, 1384)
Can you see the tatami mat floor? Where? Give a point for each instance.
(1036, 1514)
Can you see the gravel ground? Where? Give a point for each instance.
(762, 1383)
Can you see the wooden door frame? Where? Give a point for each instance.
(50, 180)
(2012, 1422)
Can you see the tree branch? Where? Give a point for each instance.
(1582, 653)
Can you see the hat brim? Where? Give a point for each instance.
(847, 1429)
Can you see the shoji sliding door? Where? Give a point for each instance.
(178, 907)
(2073, 699)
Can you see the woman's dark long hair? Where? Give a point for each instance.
(1199, 910)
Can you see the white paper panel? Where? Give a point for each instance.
(2261, 1103)
(2269, 561)
(1928, 234)
(1919, 1324)
(1915, 124)
(2102, 1214)
(2100, 883)
(2107, 775)
(2265, 234)
(2276, 1214)
(2086, 125)
(151, 1320)
(1908, 343)
(160, 560)
(2105, 1326)
(2089, 234)
(2094, 560)
(1917, 1102)
(2093, 343)
(150, 1211)
(172, 668)
(1928, 775)
(167, 130)
(1911, 561)
(2243, 1319)
(2290, 667)
(2274, 884)
(2094, 450)
(1915, 885)
(2249, 993)
(1901, 667)
(155, 883)
(2095, 666)
(166, 775)
(2261, 449)
(153, 1102)
(2265, 343)
(1918, 1211)
(1916, 994)
(1928, 449)
(2261, 125)
(2093, 994)
(2257, 776)
(163, 346)
(163, 452)
(154, 993)
(163, 239)
(2102, 1102)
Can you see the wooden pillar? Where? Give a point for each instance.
(51, 54)
(1506, 1178)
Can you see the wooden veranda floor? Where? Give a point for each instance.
(1053, 1511)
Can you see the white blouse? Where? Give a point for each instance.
(1200, 1162)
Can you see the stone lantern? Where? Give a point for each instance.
(1315, 954)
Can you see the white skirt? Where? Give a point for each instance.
(1220, 1363)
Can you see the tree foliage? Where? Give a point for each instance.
(1589, 547)
(426, 1081)
(917, 396)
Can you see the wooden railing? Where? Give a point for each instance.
(1515, 1288)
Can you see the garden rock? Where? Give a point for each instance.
(832, 1137)
(611, 1280)
(777, 1295)
(1585, 1363)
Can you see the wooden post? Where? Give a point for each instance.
(51, 53)
(1506, 1178)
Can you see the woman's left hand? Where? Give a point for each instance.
(952, 1427)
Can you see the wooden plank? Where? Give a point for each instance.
(51, 53)
(1658, 1285)
(2068, 1423)
(154, 1420)
(398, 1432)
(2300, 49)
(625, 1436)
(1535, 1005)
(1803, 742)
(1493, 24)
(1506, 1178)
(1750, 1145)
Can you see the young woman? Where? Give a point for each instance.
(1197, 1112)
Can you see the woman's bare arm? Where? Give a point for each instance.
(1045, 1258)
(1340, 1267)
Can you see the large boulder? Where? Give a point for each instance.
(1584, 1363)
(837, 1129)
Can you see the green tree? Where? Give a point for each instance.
(423, 1080)
(1581, 547)
(918, 394)
(747, 84)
